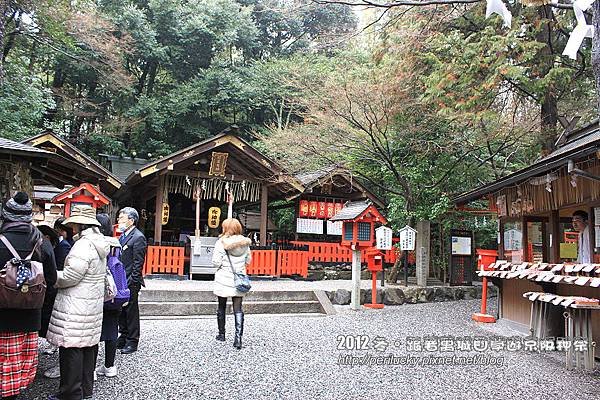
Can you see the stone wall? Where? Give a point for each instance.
(396, 296)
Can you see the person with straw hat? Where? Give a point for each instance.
(76, 320)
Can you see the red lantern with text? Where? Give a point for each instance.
(313, 209)
(303, 208)
(322, 213)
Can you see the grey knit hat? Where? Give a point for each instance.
(18, 208)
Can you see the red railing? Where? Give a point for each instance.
(262, 263)
(164, 260)
(278, 263)
(292, 262)
(334, 252)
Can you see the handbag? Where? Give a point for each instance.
(110, 287)
(22, 281)
(241, 281)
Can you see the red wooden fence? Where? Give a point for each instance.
(292, 262)
(334, 252)
(164, 259)
(262, 263)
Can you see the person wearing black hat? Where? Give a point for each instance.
(19, 327)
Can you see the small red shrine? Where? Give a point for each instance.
(84, 194)
(359, 219)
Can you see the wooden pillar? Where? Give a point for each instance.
(591, 222)
(554, 235)
(264, 217)
(525, 240)
(501, 238)
(158, 210)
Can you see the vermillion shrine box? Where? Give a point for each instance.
(84, 194)
(358, 223)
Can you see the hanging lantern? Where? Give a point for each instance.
(214, 217)
(165, 214)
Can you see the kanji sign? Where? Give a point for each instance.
(165, 214)
(383, 238)
(407, 238)
(214, 217)
(218, 164)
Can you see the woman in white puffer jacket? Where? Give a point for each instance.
(232, 250)
(76, 320)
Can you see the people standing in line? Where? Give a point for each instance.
(110, 316)
(76, 320)
(66, 234)
(581, 225)
(133, 245)
(19, 327)
(232, 251)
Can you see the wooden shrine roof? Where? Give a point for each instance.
(580, 144)
(337, 173)
(243, 163)
(49, 141)
(48, 167)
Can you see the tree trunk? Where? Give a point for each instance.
(596, 50)
(549, 109)
(3, 9)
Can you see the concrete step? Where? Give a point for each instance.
(191, 308)
(208, 296)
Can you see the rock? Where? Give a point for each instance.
(330, 295)
(331, 275)
(440, 294)
(365, 296)
(470, 293)
(425, 295)
(393, 296)
(315, 275)
(341, 297)
(458, 293)
(345, 275)
(411, 295)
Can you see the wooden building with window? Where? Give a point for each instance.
(535, 207)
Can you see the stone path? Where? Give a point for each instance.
(296, 357)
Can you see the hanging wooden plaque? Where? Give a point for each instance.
(218, 164)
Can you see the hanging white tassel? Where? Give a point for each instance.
(498, 7)
(581, 31)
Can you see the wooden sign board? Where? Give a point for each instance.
(408, 238)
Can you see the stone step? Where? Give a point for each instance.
(208, 296)
(190, 308)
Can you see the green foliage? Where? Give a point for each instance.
(23, 101)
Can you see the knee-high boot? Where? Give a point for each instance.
(221, 324)
(239, 329)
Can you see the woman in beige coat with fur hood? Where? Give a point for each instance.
(76, 320)
(232, 251)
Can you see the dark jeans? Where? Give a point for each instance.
(129, 321)
(237, 304)
(77, 366)
(110, 351)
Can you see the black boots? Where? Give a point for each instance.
(221, 324)
(239, 330)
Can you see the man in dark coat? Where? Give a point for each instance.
(19, 327)
(133, 255)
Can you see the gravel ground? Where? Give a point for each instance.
(296, 357)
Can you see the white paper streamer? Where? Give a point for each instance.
(581, 31)
(498, 7)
